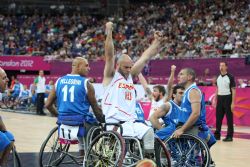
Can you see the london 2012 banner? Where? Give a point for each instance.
(28, 63)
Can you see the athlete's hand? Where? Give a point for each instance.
(178, 133)
(173, 68)
(158, 35)
(109, 26)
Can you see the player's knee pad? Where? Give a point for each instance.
(148, 141)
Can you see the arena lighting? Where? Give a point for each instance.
(61, 7)
(53, 7)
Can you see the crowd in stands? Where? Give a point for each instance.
(197, 28)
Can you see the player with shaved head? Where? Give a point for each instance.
(119, 99)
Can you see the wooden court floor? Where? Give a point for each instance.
(31, 130)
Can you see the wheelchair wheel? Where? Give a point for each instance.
(188, 150)
(106, 150)
(92, 133)
(13, 159)
(52, 152)
(162, 156)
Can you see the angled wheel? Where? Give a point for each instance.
(162, 156)
(13, 159)
(188, 150)
(52, 152)
(92, 133)
(107, 149)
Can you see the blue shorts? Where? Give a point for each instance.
(208, 136)
(165, 132)
(5, 140)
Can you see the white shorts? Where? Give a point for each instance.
(132, 129)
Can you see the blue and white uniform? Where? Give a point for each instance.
(204, 131)
(187, 110)
(72, 102)
(170, 120)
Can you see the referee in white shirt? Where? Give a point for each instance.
(225, 98)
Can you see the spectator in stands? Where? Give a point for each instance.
(248, 83)
(40, 90)
(241, 83)
(225, 102)
(206, 32)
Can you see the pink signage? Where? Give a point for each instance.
(24, 63)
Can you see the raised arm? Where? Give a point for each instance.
(92, 100)
(145, 86)
(109, 68)
(159, 113)
(147, 54)
(170, 83)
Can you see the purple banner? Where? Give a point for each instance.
(24, 63)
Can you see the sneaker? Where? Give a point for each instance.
(228, 139)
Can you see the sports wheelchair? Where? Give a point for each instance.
(13, 158)
(59, 151)
(188, 151)
(110, 148)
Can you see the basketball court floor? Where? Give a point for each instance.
(31, 130)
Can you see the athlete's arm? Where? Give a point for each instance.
(195, 100)
(170, 83)
(109, 68)
(50, 101)
(159, 113)
(145, 86)
(147, 54)
(93, 102)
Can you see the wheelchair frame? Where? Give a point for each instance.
(13, 159)
(100, 153)
(60, 153)
(188, 150)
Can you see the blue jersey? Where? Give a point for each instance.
(172, 116)
(187, 110)
(170, 121)
(71, 92)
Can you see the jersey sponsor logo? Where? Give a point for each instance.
(126, 86)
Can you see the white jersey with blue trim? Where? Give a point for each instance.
(119, 101)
